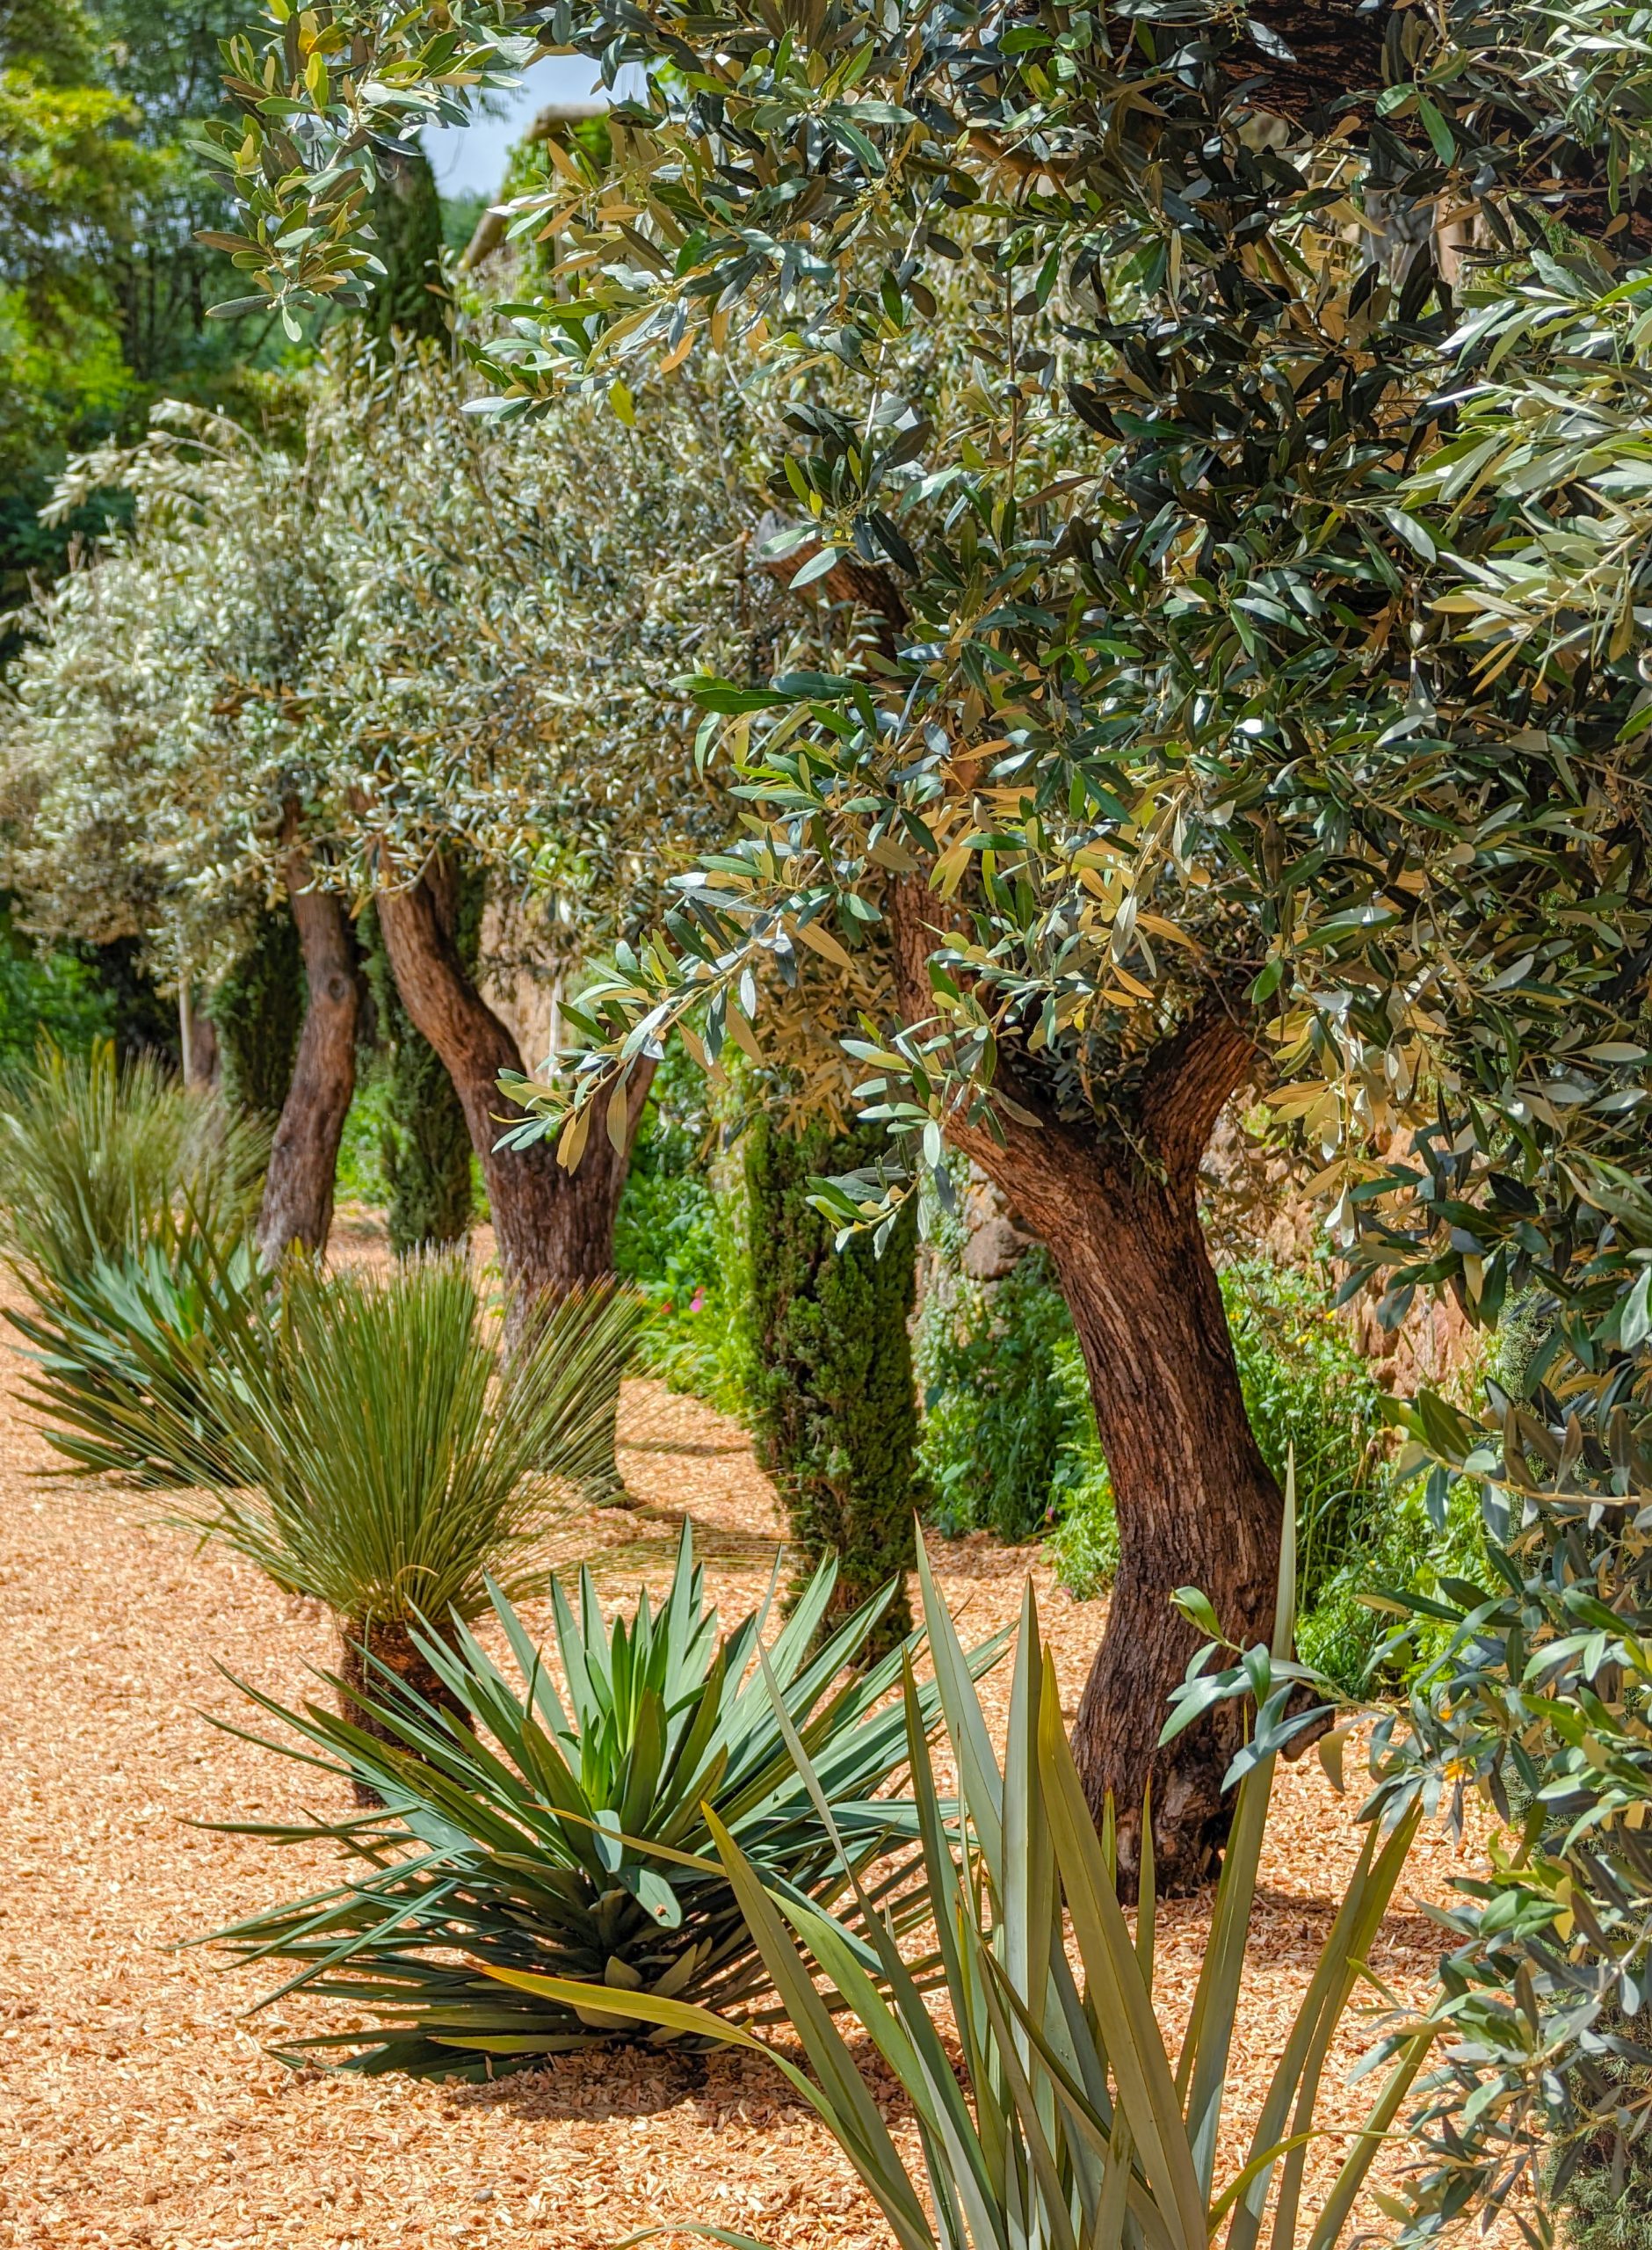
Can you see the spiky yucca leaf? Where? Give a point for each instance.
(1076, 2126)
(570, 1832)
(126, 1356)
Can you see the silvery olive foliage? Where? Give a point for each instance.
(1231, 633)
(417, 631)
(144, 738)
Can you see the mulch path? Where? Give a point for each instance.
(138, 2105)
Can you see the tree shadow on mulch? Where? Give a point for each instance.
(656, 1531)
(644, 2082)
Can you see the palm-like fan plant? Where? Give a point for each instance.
(570, 1832)
(383, 1455)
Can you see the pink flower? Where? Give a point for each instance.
(697, 1303)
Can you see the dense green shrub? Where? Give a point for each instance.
(258, 1011)
(425, 1164)
(360, 1177)
(681, 1242)
(1531, 1689)
(832, 1403)
(54, 994)
(1003, 1430)
(509, 1814)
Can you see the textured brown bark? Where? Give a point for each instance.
(1197, 1504)
(390, 1645)
(555, 1227)
(298, 1190)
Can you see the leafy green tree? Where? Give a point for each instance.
(105, 287)
(833, 1408)
(261, 690)
(1164, 400)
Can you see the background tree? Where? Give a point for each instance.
(104, 287)
(1160, 749)
(156, 760)
(425, 644)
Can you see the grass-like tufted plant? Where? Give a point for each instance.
(125, 1200)
(384, 1453)
(566, 1831)
(101, 1158)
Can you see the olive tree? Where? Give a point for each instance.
(1163, 755)
(423, 641)
(151, 731)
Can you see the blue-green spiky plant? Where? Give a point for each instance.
(566, 1833)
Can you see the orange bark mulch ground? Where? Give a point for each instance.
(138, 2105)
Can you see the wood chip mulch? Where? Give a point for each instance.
(138, 2105)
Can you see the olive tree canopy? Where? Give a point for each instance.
(326, 674)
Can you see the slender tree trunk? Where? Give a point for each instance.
(555, 1227)
(197, 1039)
(298, 1191)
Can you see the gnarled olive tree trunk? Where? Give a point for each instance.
(1197, 1504)
(298, 1189)
(555, 1227)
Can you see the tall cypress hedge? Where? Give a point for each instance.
(426, 1148)
(407, 225)
(258, 1012)
(833, 1408)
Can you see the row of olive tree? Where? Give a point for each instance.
(1163, 750)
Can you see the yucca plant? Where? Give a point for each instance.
(126, 1377)
(101, 1158)
(1062, 2119)
(571, 1833)
(383, 1455)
